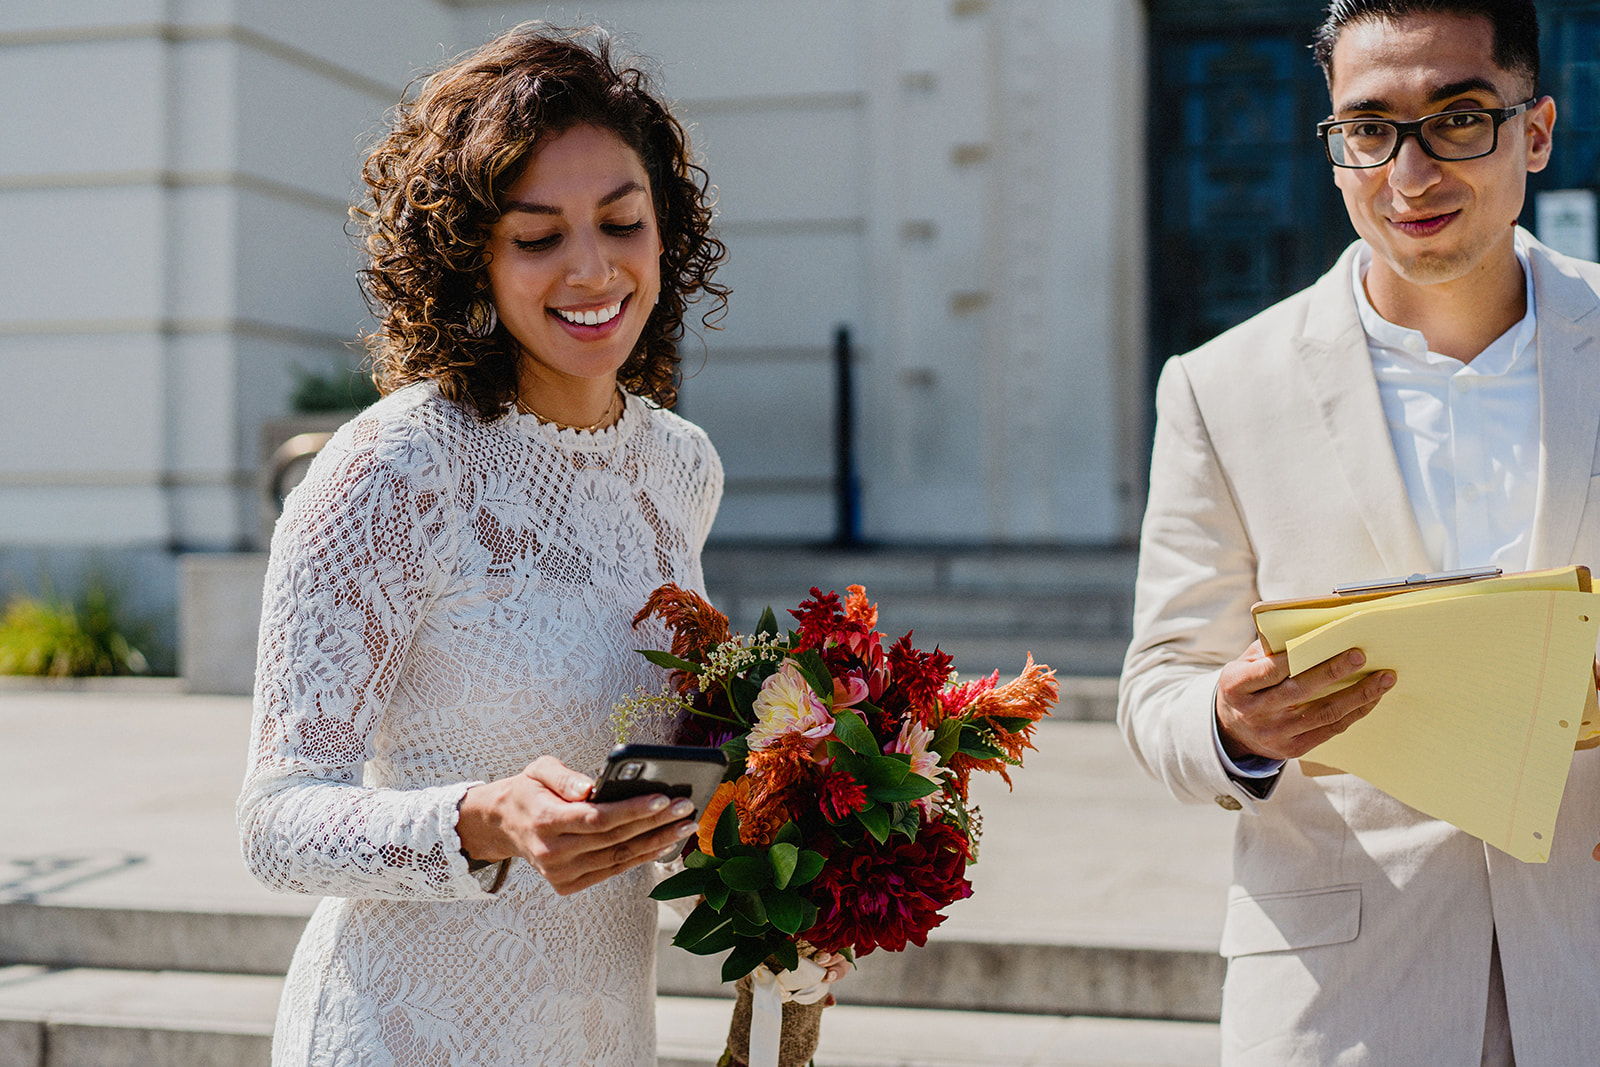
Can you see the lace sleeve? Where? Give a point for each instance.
(708, 496)
(362, 548)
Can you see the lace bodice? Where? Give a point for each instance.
(447, 599)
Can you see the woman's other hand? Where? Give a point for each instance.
(544, 816)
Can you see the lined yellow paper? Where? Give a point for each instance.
(1489, 695)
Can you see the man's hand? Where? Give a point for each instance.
(1263, 711)
(544, 816)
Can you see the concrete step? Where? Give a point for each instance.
(84, 1017)
(1095, 894)
(891, 572)
(951, 972)
(988, 607)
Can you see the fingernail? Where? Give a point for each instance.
(657, 803)
(1357, 658)
(682, 808)
(685, 830)
(1386, 680)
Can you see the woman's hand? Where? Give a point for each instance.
(544, 816)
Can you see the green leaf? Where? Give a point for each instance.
(946, 739)
(737, 749)
(808, 916)
(726, 834)
(717, 893)
(886, 770)
(768, 623)
(698, 859)
(749, 912)
(816, 673)
(787, 954)
(669, 661)
(1010, 724)
(742, 692)
(850, 729)
(906, 821)
(745, 957)
(875, 817)
(783, 857)
(807, 866)
(719, 940)
(746, 873)
(784, 910)
(789, 834)
(915, 787)
(701, 923)
(686, 883)
(973, 744)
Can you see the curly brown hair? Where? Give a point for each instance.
(435, 184)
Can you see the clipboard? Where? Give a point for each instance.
(1491, 673)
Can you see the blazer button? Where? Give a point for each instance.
(1228, 803)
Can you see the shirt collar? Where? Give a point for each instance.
(1498, 358)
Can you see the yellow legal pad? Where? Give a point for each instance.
(1494, 685)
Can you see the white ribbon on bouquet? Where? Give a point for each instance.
(803, 985)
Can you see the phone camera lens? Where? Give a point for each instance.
(630, 771)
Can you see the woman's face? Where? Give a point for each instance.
(575, 258)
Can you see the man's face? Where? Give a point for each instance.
(1429, 221)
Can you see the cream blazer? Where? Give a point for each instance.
(1357, 930)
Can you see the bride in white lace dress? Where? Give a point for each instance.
(448, 610)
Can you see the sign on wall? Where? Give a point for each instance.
(1565, 220)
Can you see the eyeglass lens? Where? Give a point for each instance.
(1448, 135)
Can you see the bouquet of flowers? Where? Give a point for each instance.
(843, 823)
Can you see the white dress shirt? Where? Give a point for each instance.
(1467, 439)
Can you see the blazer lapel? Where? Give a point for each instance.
(1569, 407)
(1338, 367)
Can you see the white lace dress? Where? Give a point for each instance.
(446, 600)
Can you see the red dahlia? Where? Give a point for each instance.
(881, 896)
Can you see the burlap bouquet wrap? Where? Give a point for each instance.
(802, 1026)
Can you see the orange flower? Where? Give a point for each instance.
(696, 626)
(708, 818)
(1029, 696)
(857, 609)
(761, 813)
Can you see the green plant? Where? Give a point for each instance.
(49, 635)
(338, 390)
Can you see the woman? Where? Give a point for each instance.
(451, 589)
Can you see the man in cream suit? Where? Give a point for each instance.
(1432, 403)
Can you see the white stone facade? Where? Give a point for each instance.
(960, 182)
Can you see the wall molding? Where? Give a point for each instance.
(177, 179)
(179, 33)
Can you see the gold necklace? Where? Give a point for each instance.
(600, 423)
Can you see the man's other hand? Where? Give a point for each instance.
(1262, 710)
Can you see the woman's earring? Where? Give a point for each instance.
(482, 318)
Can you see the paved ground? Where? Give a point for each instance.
(127, 799)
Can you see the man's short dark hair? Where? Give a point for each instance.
(1515, 24)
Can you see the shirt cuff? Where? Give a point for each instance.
(1244, 766)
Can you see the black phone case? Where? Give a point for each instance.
(670, 770)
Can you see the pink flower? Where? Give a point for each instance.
(788, 705)
(913, 741)
(849, 690)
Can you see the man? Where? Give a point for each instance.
(1433, 402)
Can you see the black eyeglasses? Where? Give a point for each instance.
(1449, 136)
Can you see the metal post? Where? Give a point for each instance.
(846, 481)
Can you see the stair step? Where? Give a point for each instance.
(691, 1032)
(975, 973)
(83, 1016)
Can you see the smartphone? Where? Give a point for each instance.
(671, 770)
